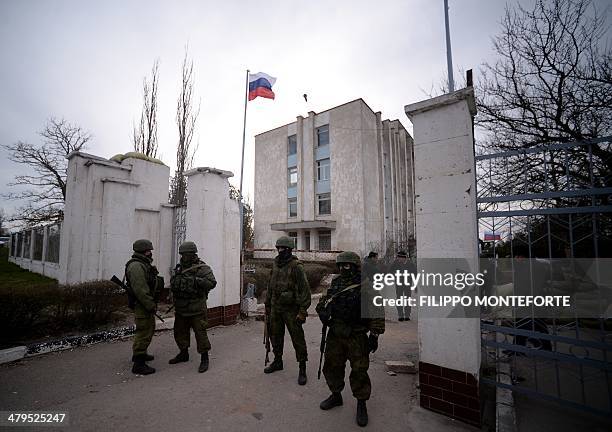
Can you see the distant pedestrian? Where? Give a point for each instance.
(402, 263)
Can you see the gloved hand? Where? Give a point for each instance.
(324, 316)
(373, 342)
(301, 317)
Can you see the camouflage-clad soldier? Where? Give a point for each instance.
(341, 309)
(287, 302)
(142, 277)
(190, 284)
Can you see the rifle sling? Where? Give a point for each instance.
(350, 287)
(193, 267)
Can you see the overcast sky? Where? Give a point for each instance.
(85, 61)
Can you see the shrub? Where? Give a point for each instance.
(22, 308)
(315, 273)
(91, 303)
(29, 311)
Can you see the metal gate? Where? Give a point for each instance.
(550, 202)
(179, 230)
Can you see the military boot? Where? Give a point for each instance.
(183, 356)
(302, 374)
(203, 362)
(333, 401)
(140, 367)
(362, 413)
(147, 357)
(276, 365)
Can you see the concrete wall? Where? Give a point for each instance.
(213, 223)
(449, 348)
(109, 205)
(41, 266)
(357, 150)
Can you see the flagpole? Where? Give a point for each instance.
(246, 96)
(449, 55)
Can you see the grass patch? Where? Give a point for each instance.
(15, 276)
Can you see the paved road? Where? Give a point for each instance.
(95, 386)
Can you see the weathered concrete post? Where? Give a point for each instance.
(213, 223)
(446, 227)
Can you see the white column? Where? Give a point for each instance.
(213, 223)
(446, 224)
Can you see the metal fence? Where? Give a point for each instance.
(178, 232)
(548, 202)
(37, 244)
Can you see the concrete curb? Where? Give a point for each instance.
(17, 353)
(12, 354)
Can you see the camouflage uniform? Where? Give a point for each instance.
(347, 336)
(340, 309)
(190, 285)
(142, 277)
(287, 296)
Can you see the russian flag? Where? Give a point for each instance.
(260, 84)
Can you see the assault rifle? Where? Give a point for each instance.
(266, 340)
(132, 299)
(322, 348)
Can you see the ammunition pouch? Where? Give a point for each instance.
(286, 298)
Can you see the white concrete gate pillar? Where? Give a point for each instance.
(213, 223)
(446, 227)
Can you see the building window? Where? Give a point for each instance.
(324, 203)
(324, 240)
(292, 176)
(323, 136)
(292, 145)
(292, 207)
(323, 170)
(293, 236)
(307, 240)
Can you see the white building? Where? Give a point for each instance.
(336, 180)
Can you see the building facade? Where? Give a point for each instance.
(336, 180)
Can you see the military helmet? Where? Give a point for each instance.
(285, 241)
(348, 257)
(142, 245)
(188, 247)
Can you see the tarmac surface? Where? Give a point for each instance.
(95, 386)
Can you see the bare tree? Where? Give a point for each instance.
(186, 117)
(45, 191)
(552, 82)
(248, 229)
(145, 135)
